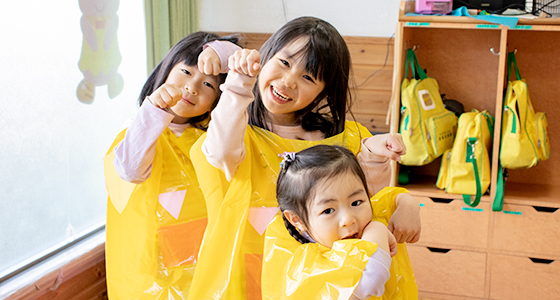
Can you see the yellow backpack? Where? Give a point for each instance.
(524, 133)
(465, 169)
(427, 128)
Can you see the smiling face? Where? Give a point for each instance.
(285, 86)
(340, 209)
(199, 92)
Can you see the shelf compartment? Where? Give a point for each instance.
(516, 277)
(528, 230)
(451, 223)
(448, 271)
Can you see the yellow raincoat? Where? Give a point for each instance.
(154, 229)
(230, 258)
(293, 271)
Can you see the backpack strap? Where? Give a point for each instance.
(471, 142)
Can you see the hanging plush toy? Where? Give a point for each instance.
(100, 56)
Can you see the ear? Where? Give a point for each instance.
(295, 220)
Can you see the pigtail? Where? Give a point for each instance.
(294, 232)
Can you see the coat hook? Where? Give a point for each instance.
(494, 51)
(415, 47)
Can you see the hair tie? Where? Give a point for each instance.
(289, 157)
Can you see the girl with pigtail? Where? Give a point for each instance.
(337, 241)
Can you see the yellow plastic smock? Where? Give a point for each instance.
(292, 270)
(154, 229)
(230, 258)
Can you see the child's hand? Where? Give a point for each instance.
(209, 62)
(405, 223)
(392, 244)
(390, 145)
(245, 61)
(167, 95)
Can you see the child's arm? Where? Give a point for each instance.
(214, 58)
(405, 223)
(376, 273)
(375, 156)
(135, 153)
(224, 147)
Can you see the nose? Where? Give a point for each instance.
(289, 80)
(191, 88)
(347, 219)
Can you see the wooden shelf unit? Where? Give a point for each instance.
(476, 253)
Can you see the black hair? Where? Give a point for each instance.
(187, 51)
(299, 176)
(327, 59)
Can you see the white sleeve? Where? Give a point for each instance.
(374, 276)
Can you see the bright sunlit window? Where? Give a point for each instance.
(71, 72)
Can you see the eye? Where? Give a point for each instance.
(285, 62)
(186, 71)
(308, 78)
(208, 84)
(328, 211)
(357, 202)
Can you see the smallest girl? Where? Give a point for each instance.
(337, 244)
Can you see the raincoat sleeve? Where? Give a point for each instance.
(224, 147)
(135, 153)
(227, 204)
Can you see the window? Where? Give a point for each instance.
(63, 101)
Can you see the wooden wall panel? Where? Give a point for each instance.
(83, 278)
(369, 55)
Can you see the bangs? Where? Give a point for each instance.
(315, 54)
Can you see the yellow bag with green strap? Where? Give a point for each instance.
(154, 229)
(296, 271)
(427, 128)
(524, 133)
(465, 169)
(230, 259)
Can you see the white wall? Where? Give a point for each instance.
(376, 18)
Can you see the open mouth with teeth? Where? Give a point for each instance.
(354, 236)
(276, 93)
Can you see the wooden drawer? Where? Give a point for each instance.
(448, 271)
(515, 277)
(527, 229)
(451, 223)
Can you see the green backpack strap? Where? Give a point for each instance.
(472, 159)
(416, 64)
(411, 60)
(512, 62)
(499, 198)
(471, 142)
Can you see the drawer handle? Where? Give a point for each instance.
(545, 209)
(541, 260)
(441, 200)
(438, 250)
